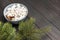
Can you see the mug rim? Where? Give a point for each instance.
(13, 4)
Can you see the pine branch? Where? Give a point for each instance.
(7, 32)
(26, 31)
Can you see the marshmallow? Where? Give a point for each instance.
(18, 11)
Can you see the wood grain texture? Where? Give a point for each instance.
(46, 13)
(48, 10)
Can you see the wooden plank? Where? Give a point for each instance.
(54, 34)
(0, 14)
(54, 9)
(46, 38)
(54, 29)
(47, 10)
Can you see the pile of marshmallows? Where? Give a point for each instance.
(16, 12)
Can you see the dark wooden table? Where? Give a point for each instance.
(46, 13)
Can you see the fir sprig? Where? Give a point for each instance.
(26, 31)
(7, 32)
